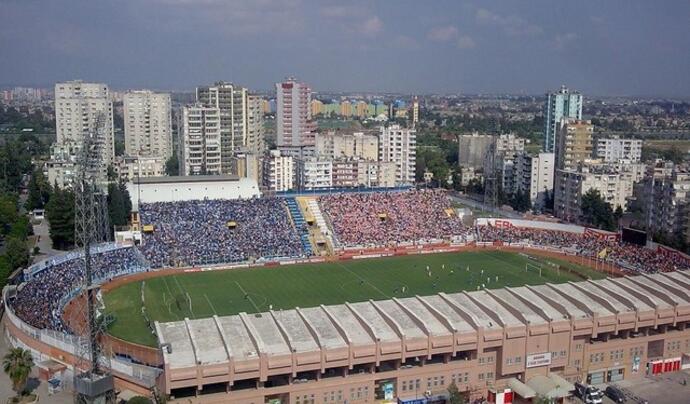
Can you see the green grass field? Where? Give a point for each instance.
(255, 290)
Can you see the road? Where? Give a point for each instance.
(42, 233)
(37, 386)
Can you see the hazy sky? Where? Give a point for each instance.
(598, 47)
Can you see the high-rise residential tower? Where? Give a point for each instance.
(147, 121)
(294, 127)
(78, 106)
(575, 143)
(200, 151)
(561, 104)
(399, 145)
(241, 119)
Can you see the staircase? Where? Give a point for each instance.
(300, 225)
(313, 206)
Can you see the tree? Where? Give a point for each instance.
(139, 400)
(455, 396)
(17, 363)
(17, 252)
(8, 212)
(119, 204)
(596, 211)
(520, 201)
(172, 166)
(5, 270)
(60, 215)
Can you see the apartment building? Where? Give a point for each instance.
(398, 145)
(314, 173)
(294, 125)
(359, 145)
(278, 172)
(472, 149)
(241, 119)
(82, 108)
(129, 167)
(506, 149)
(534, 175)
(665, 199)
(200, 149)
(560, 104)
(573, 143)
(148, 127)
(614, 181)
(612, 149)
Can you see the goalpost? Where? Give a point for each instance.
(532, 267)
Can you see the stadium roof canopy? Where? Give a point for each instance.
(416, 320)
(184, 178)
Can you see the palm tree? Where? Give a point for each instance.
(17, 364)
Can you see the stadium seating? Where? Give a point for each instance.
(39, 301)
(300, 224)
(384, 218)
(629, 256)
(197, 232)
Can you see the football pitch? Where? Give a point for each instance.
(227, 292)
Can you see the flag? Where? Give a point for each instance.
(602, 253)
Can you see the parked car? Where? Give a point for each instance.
(615, 394)
(588, 394)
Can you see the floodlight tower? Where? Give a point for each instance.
(490, 180)
(93, 381)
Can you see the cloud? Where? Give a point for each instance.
(512, 25)
(372, 26)
(443, 34)
(562, 40)
(466, 42)
(353, 19)
(405, 42)
(238, 17)
(341, 11)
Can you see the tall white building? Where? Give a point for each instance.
(147, 121)
(241, 119)
(534, 175)
(78, 105)
(294, 126)
(399, 145)
(314, 173)
(278, 172)
(560, 104)
(200, 141)
(611, 150)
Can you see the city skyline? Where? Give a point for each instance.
(612, 48)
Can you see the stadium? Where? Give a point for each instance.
(358, 297)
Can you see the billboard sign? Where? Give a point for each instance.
(536, 360)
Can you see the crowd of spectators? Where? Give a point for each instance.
(631, 257)
(384, 218)
(38, 300)
(197, 232)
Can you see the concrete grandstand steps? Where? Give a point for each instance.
(312, 206)
(300, 224)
